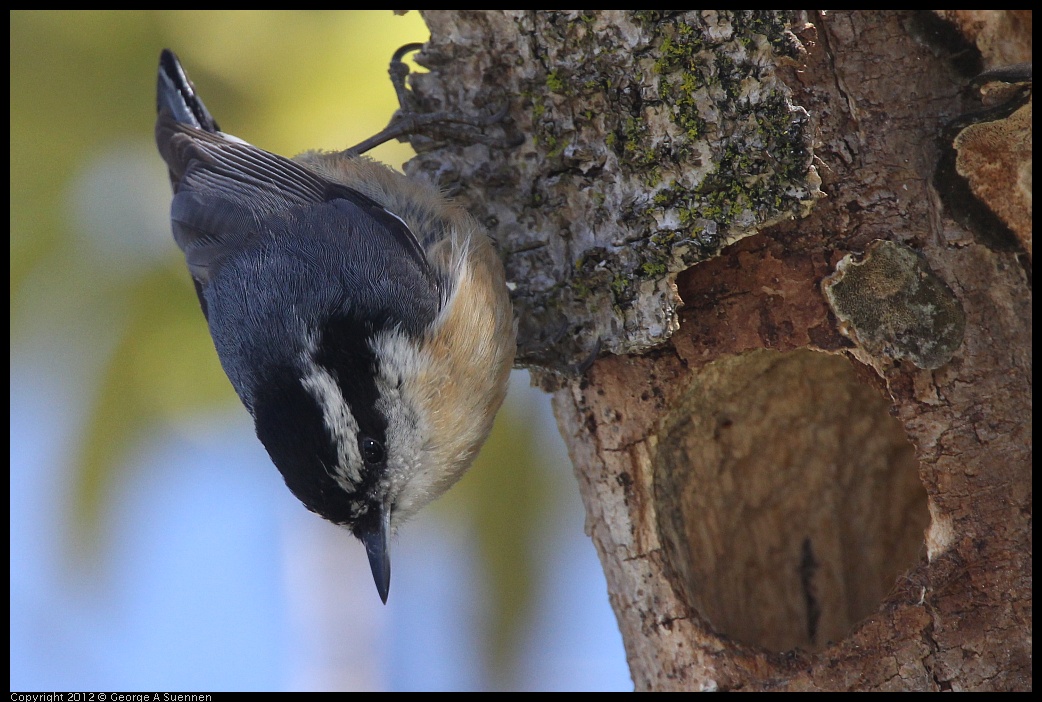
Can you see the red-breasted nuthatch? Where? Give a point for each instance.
(362, 318)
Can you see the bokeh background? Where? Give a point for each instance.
(153, 545)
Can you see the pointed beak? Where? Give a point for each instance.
(378, 548)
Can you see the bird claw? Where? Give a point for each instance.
(435, 125)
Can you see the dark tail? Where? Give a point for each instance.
(176, 95)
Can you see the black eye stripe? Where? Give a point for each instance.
(344, 352)
(290, 422)
(372, 450)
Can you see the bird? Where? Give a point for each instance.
(362, 317)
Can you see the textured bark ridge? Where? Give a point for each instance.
(815, 472)
(655, 140)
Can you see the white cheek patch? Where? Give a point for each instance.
(341, 424)
(412, 478)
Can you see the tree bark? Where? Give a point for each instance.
(804, 448)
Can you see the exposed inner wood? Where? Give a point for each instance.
(788, 499)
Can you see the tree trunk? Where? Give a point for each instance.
(804, 448)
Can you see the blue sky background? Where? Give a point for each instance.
(215, 578)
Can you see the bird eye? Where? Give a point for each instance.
(372, 450)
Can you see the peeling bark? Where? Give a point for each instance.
(777, 504)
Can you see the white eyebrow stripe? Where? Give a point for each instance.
(341, 424)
